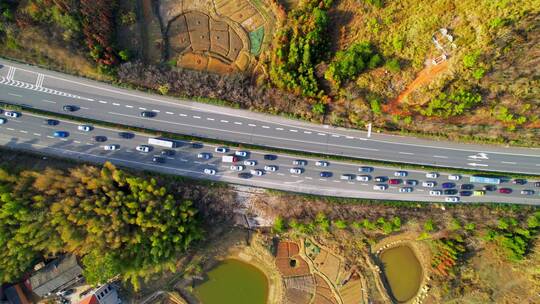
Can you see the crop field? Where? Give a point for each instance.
(289, 262)
(300, 289)
(351, 292)
(328, 264)
(323, 293)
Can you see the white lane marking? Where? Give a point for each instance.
(23, 131)
(477, 165)
(280, 174)
(279, 129)
(335, 135)
(421, 190)
(16, 95)
(102, 101)
(307, 177)
(237, 123)
(364, 184)
(141, 108)
(307, 132)
(49, 101)
(183, 115)
(479, 156)
(183, 160)
(76, 141)
(197, 117)
(322, 134)
(322, 179)
(252, 125)
(48, 136)
(440, 156)
(349, 137)
(293, 130)
(209, 118)
(506, 162)
(406, 153)
(37, 134)
(115, 104)
(89, 144)
(128, 106)
(336, 181)
(84, 108)
(198, 162)
(223, 120)
(11, 129)
(156, 111)
(265, 127)
(170, 113)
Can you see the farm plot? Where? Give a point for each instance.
(323, 293)
(289, 262)
(351, 292)
(328, 264)
(299, 290)
(241, 12)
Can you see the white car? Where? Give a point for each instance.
(221, 150)
(451, 199)
(296, 170)
(435, 192)
(85, 128)
(250, 163)
(209, 171)
(12, 114)
(347, 177)
(237, 167)
(363, 178)
(454, 177)
(3, 121)
(405, 189)
(432, 175)
(111, 147)
(204, 155)
(144, 148)
(270, 168)
(322, 163)
(241, 153)
(299, 162)
(428, 184)
(380, 187)
(257, 172)
(401, 173)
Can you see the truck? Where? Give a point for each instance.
(162, 142)
(229, 158)
(485, 179)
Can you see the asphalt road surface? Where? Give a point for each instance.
(32, 132)
(46, 90)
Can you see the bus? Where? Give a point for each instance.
(485, 179)
(162, 142)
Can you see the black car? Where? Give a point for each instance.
(411, 182)
(51, 122)
(466, 186)
(465, 193)
(196, 145)
(245, 175)
(148, 114)
(519, 181)
(69, 108)
(167, 152)
(100, 138)
(270, 157)
(326, 174)
(381, 179)
(158, 159)
(126, 135)
(489, 188)
(450, 192)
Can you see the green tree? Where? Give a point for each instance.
(340, 224)
(318, 108)
(429, 226)
(393, 65)
(279, 225)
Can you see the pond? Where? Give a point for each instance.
(403, 272)
(233, 282)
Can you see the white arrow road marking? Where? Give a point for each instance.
(479, 156)
(477, 165)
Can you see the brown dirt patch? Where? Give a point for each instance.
(323, 293)
(328, 264)
(351, 292)
(218, 66)
(288, 260)
(193, 61)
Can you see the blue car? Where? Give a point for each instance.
(326, 174)
(61, 134)
(448, 185)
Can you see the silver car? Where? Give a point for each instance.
(144, 148)
(270, 168)
(237, 167)
(296, 170)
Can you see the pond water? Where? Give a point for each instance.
(233, 282)
(403, 272)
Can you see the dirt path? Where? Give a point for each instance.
(425, 76)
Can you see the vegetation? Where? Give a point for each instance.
(122, 225)
(457, 103)
(349, 63)
(447, 252)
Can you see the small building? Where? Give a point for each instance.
(58, 275)
(105, 294)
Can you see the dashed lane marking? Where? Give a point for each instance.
(307, 132)
(279, 129)
(265, 127)
(183, 115)
(48, 136)
(156, 111)
(209, 118)
(115, 104)
(335, 135)
(102, 101)
(509, 163)
(141, 108)
(170, 113)
(322, 134)
(406, 153)
(49, 101)
(196, 117)
(11, 129)
(37, 134)
(23, 131)
(76, 141)
(237, 123)
(128, 106)
(440, 156)
(293, 130)
(223, 120)
(252, 125)
(16, 95)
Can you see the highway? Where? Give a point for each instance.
(46, 90)
(31, 132)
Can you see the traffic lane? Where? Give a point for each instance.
(311, 172)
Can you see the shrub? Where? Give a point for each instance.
(351, 62)
(451, 105)
(318, 108)
(393, 65)
(279, 225)
(375, 106)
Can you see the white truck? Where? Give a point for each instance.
(229, 158)
(162, 142)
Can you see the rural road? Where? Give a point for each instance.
(30, 132)
(42, 89)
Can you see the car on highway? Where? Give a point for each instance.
(65, 293)
(401, 173)
(100, 138)
(144, 148)
(363, 178)
(505, 190)
(454, 177)
(381, 179)
(197, 145)
(429, 184)
(380, 187)
(465, 193)
(519, 181)
(270, 157)
(2, 121)
(479, 192)
(365, 169)
(112, 147)
(69, 108)
(51, 122)
(299, 162)
(537, 184)
(406, 189)
(296, 170)
(61, 134)
(85, 128)
(237, 167)
(167, 152)
(322, 163)
(158, 159)
(466, 186)
(395, 181)
(12, 114)
(451, 199)
(250, 162)
(241, 153)
(435, 192)
(347, 177)
(257, 172)
(126, 135)
(270, 168)
(148, 114)
(204, 155)
(209, 171)
(527, 192)
(325, 174)
(245, 175)
(450, 191)
(448, 185)
(411, 182)
(432, 175)
(221, 149)
(489, 188)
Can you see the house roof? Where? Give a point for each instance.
(56, 274)
(91, 299)
(15, 295)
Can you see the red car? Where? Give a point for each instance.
(505, 190)
(394, 181)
